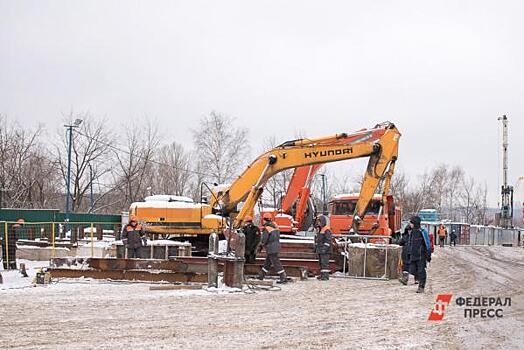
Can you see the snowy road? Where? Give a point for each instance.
(339, 314)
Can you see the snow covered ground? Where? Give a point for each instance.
(339, 314)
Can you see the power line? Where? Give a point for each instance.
(107, 144)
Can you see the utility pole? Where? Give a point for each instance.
(91, 196)
(506, 215)
(69, 147)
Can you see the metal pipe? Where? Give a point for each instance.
(53, 239)
(238, 270)
(6, 244)
(365, 255)
(212, 262)
(92, 244)
(91, 195)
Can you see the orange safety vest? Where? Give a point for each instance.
(442, 232)
(324, 229)
(270, 228)
(130, 228)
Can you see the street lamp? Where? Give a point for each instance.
(70, 144)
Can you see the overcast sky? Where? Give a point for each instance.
(443, 71)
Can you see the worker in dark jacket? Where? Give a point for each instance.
(271, 243)
(133, 237)
(453, 238)
(323, 246)
(252, 233)
(420, 252)
(9, 247)
(404, 242)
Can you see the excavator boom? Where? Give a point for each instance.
(299, 186)
(305, 152)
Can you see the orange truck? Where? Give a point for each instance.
(382, 220)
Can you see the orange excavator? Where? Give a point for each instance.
(229, 204)
(296, 211)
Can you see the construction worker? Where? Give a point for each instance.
(323, 247)
(133, 237)
(9, 247)
(406, 249)
(442, 233)
(271, 243)
(252, 233)
(420, 252)
(453, 238)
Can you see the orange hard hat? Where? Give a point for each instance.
(267, 216)
(248, 218)
(133, 218)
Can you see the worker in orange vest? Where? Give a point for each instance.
(323, 246)
(442, 233)
(133, 237)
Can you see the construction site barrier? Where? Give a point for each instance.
(57, 235)
(478, 234)
(348, 242)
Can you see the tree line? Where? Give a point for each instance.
(119, 171)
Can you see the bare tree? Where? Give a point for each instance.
(456, 177)
(467, 198)
(482, 205)
(399, 185)
(134, 172)
(173, 175)
(439, 186)
(91, 147)
(27, 178)
(198, 178)
(277, 185)
(222, 147)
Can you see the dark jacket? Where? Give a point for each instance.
(420, 247)
(271, 239)
(405, 243)
(323, 241)
(133, 235)
(252, 233)
(13, 234)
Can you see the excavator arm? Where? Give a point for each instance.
(298, 190)
(299, 153)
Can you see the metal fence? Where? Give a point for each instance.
(478, 235)
(56, 237)
(348, 242)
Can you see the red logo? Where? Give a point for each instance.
(437, 314)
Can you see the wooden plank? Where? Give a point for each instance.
(267, 283)
(177, 287)
(109, 264)
(130, 275)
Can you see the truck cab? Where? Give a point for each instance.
(378, 221)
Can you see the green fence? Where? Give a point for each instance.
(54, 215)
